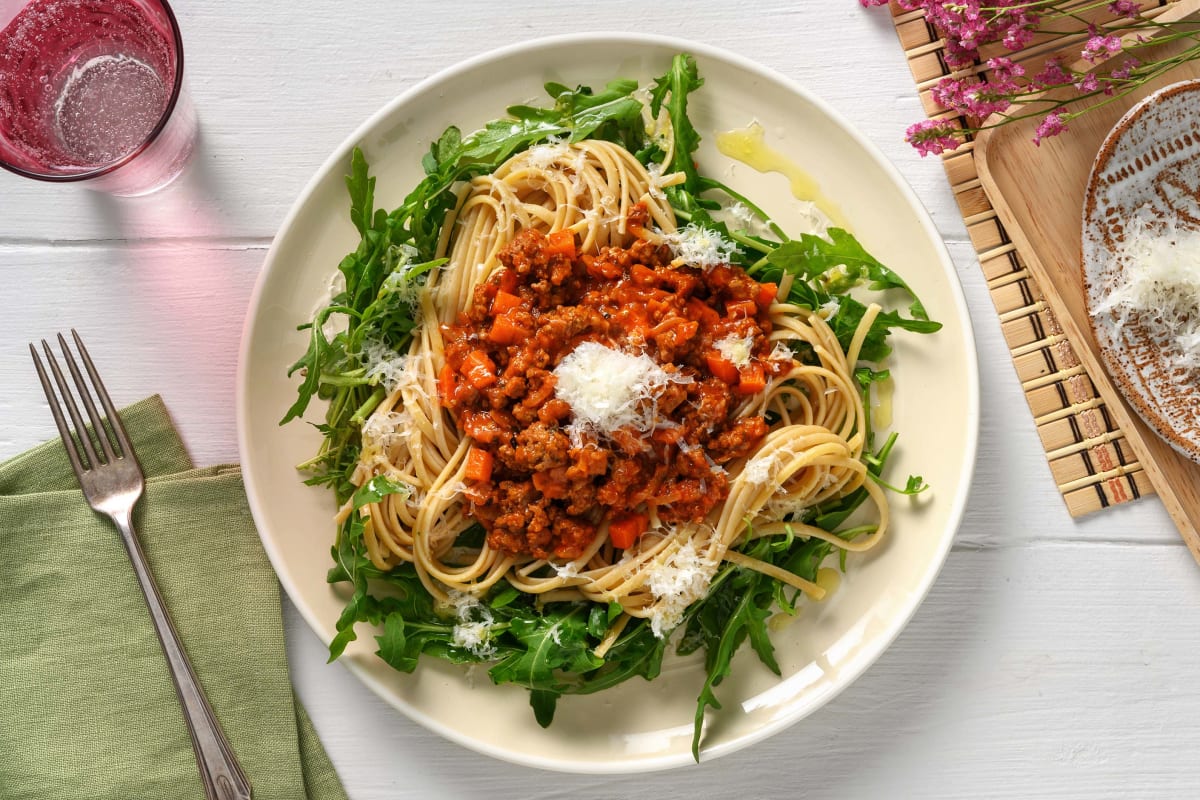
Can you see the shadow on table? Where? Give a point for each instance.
(176, 277)
(187, 208)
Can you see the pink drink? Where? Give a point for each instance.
(92, 90)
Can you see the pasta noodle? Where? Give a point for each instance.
(811, 454)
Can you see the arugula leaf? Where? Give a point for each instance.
(407, 633)
(825, 270)
(637, 653)
(673, 89)
(725, 631)
(601, 617)
(362, 191)
(378, 488)
(555, 640)
(394, 645)
(350, 564)
(840, 263)
(544, 702)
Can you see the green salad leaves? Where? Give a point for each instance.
(549, 648)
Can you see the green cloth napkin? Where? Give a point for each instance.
(87, 707)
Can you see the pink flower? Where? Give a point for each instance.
(1088, 83)
(984, 100)
(1052, 74)
(948, 93)
(972, 97)
(1126, 69)
(1016, 37)
(933, 136)
(969, 27)
(1005, 69)
(1100, 47)
(1052, 125)
(1125, 8)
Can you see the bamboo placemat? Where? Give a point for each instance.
(1090, 459)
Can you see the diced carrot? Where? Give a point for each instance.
(479, 465)
(767, 292)
(509, 280)
(480, 427)
(722, 368)
(447, 383)
(560, 243)
(504, 301)
(741, 308)
(687, 331)
(702, 311)
(505, 331)
(752, 380)
(478, 369)
(624, 530)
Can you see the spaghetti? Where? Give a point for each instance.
(812, 451)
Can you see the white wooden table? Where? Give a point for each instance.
(1053, 658)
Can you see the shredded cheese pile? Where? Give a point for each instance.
(474, 622)
(761, 468)
(676, 583)
(610, 389)
(387, 367)
(735, 349)
(700, 247)
(1159, 289)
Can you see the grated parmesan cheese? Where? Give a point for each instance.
(700, 247)
(610, 389)
(780, 506)
(742, 214)
(781, 352)
(759, 469)
(736, 349)
(391, 369)
(404, 258)
(655, 171)
(384, 430)
(677, 583)
(473, 630)
(543, 156)
(1159, 289)
(566, 571)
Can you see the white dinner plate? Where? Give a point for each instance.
(1149, 164)
(637, 726)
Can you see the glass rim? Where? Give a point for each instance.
(107, 169)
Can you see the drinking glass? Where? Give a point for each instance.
(92, 91)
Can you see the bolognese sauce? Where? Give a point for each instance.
(535, 482)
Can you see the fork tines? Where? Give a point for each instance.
(111, 437)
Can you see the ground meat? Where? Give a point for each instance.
(548, 489)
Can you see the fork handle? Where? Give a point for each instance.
(219, 769)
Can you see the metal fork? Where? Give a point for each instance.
(112, 482)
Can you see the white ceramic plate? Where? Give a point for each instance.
(1148, 164)
(638, 726)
